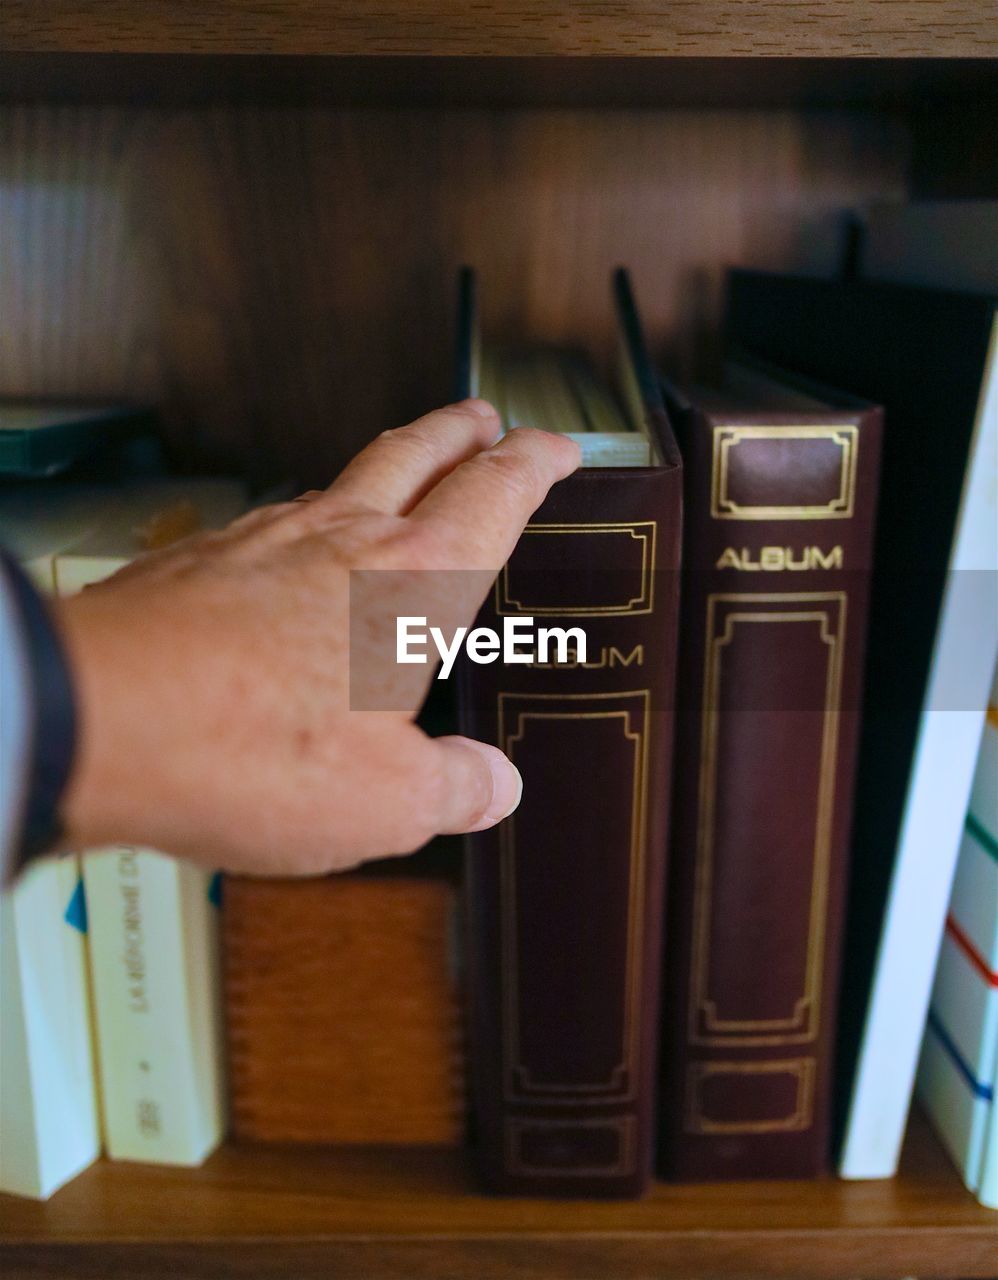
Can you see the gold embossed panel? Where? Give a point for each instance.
(572, 1148)
(769, 752)
(783, 472)
(562, 946)
(750, 1097)
(613, 571)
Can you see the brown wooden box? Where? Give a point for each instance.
(342, 1011)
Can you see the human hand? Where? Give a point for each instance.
(213, 676)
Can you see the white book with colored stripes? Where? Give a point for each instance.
(153, 936)
(958, 1069)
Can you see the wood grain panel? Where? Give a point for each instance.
(851, 28)
(339, 1212)
(279, 281)
(354, 973)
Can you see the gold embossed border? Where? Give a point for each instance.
(828, 610)
(643, 532)
(622, 1086)
(802, 1117)
(727, 438)
(624, 1126)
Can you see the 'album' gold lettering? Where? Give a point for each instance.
(777, 559)
(609, 656)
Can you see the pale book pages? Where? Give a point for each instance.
(120, 527)
(35, 527)
(553, 390)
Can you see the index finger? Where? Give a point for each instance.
(479, 510)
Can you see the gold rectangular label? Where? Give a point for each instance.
(620, 559)
(728, 503)
(757, 1111)
(623, 719)
(558, 1135)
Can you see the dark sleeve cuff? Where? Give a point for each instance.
(52, 732)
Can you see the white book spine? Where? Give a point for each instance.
(155, 980)
(936, 804)
(49, 1123)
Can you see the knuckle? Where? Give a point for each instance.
(530, 435)
(413, 435)
(259, 515)
(511, 473)
(542, 445)
(401, 545)
(411, 444)
(281, 509)
(451, 413)
(318, 514)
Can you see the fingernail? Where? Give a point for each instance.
(481, 407)
(507, 787)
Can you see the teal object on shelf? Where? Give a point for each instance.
(41, 438)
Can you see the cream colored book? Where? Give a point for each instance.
(38, 521)
(49, 1124)
(139, 517)
(153, 936)
(155, 972)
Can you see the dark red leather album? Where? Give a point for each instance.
(565, 897)
(780, 501)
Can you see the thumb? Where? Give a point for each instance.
(480, 786)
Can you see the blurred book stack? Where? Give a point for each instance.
(110, 1017)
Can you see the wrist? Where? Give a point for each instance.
(104, 800)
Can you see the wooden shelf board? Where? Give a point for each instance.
(582, 28)
(313, 1210)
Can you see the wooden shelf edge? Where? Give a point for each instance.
(310, 1213)
(509, 1258)
(582, 28)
